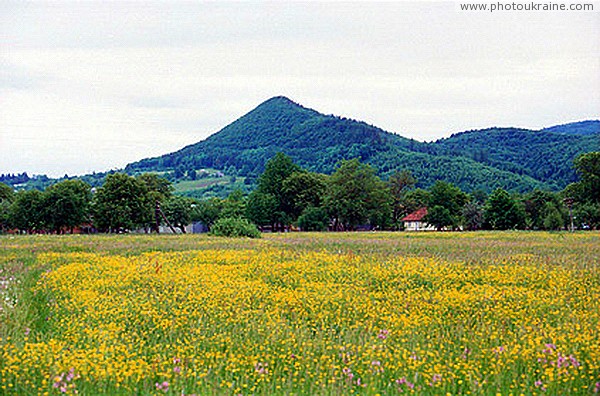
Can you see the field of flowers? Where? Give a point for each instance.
(306, 314)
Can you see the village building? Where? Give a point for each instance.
(415, 222)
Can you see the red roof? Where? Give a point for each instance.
(416, 216)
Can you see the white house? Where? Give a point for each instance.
(414, 221)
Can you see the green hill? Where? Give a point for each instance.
(314, 140)
(590, 127)
(515, 159)
(542, 155)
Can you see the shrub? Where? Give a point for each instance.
(234, 227)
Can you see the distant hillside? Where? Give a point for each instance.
(314, 140)
(515, 159)
(591, 127)
(543, 155)
(317, 142)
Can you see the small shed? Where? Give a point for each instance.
(414, 221)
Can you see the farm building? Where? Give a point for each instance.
(414, 221)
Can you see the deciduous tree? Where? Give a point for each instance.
(447, 196)
(178, 210)
(398, 184)
(26, 211)
(503, 212)
(66, 205)
(207, 211)
(121, 204)
(356, 195)
(303, 190)
(262, 209)
(472, 216)
(270, 182)
(7, 196)
(586, 192)
(313, 219)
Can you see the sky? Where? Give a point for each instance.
(92, 86)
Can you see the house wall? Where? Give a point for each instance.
(417, 226)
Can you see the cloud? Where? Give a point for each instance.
(94, 85)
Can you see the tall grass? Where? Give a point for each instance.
(367, 313)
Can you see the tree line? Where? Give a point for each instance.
(288, 196)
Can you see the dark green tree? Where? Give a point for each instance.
(479, 196)
(439, 217)
(178, 210)
(586, 192)
(158, 187)
(472, 216)
(66, 205)
(535, 207)
(356, 195)
(277, 169)
(26, 211)
(302, 190)
(553, 219)
(7, 196)
(588, 167)
(6, 193)
(313, 219)
(450, 197)
(398, 184)
(121, 204)
(503, 212)
(234, 205)
(586, 215)
(262, 209)
(207, 211)
(416, 199)
(158, 190)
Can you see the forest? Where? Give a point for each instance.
(290, 197)
(517, 160)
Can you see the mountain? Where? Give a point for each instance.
(590, 127)
(543, 155)
(514, 159)
(314, 140)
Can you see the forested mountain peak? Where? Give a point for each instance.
(315, 140)
(279, 101)
(589, 127)
(511, 158)
(544, 155)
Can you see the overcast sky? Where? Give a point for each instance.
(92, 86)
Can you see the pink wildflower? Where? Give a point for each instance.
(435, 379)
(348, 373)
(465, 353)
(261, 368)
(540, 384)
(71, 375)
(574, 361)
(164, 386)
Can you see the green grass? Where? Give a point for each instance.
(310, 305)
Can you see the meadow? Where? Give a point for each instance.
(481, 313)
